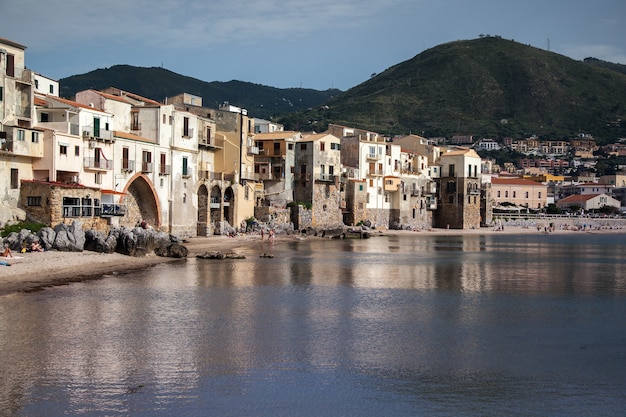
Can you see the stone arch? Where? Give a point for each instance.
(229, 205)
(203, 211)
(142, 202)
(216, 205)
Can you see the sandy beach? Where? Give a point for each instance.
(32, 271)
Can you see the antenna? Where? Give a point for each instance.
(548, 44)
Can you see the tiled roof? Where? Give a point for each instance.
(275, 135)
(514, 181)
(578, 198)
(125, 135)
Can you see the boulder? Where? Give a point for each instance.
(46, 237)
(95, 241)
(69, 238)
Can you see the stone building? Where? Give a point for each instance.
(459, 188)
(21, 142)
(317, 179)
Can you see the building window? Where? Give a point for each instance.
(360, 187)
(63, 149)
(506, 194)
(186, 127)
(76, 150)
(34, 137)
(322, 146)
(164, 119)
(451, 171)
(469, 199)
(98, 178)
(1, 93)
(539, 194)
(526, 194)
(290, 146)
(20, 134)
(514, 194)
(14, 178)
(185, 167)
(498, 193)
(33, 201)
(303, 146)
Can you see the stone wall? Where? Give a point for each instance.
(326, 210)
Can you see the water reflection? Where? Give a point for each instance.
(429, 324)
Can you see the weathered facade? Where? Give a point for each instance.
(459, 188)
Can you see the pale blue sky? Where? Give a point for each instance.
(294, 43)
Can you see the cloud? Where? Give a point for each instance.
(184, 23)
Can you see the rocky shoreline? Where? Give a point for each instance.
(33, 271)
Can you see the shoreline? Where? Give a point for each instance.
(35, 271)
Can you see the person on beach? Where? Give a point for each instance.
(36, 247)
(7, 252)
(271, 237)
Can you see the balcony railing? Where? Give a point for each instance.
(128, 165)
(165, 169)
(374, 172)
(326, 177)
(110, 209)
(211, 142)
(373, 156)
(88, 132)
(253, 150)
(147, 167)
(93, 163)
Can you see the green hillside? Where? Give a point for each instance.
(158, 83)
(487, 86)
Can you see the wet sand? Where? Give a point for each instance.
(33, 271)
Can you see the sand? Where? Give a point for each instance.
(33, 271)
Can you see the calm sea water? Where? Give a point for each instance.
(419, 325)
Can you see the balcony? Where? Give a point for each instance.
(97, 164)
(128, 165)
(165, 169)
(374, 172)
(211, 143)
(99, 134)
(373, 156)
(110, 209)
(326, 177)
(431, 203)
(253, 150)
(147, 167)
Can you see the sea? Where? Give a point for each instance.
(415, 324)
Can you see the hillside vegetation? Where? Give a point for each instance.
(487, 87)
(158, 83)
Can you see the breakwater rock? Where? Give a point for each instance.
(135, 242)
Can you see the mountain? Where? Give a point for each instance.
(488, 86)
(158, 83)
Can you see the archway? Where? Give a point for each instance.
(203, 211)
(215, 206)
(141, 203)
(229, 205)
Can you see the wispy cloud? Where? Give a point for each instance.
(185, 23)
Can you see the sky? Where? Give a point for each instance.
(317, 44)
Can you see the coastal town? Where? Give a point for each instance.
(111, 158)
